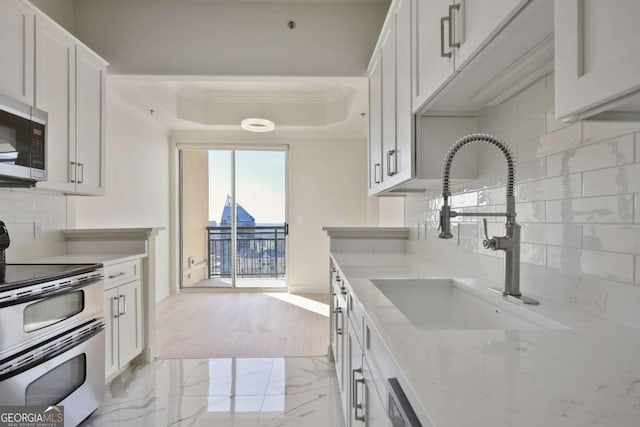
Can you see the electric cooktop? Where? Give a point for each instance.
(14, 276)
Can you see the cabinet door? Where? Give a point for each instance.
(388, 63)
(405, 147)
(375, 413)
(111, 315)
(476, 22)
(597, 54)
(130, 321)
(375, 126)
(356, 404)
(16, 49)
(90, 115)
(338, 341)
(55, 94)
(430, 68)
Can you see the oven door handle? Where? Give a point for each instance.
(50, 293)
(61, 344)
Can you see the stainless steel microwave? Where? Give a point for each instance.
(23, 131)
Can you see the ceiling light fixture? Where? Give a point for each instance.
(254, 124)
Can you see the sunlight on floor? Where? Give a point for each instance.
(302, 302)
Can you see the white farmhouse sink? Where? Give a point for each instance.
(449, 304)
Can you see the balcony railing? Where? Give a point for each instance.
(260, 252)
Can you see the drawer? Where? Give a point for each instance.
(120, 273)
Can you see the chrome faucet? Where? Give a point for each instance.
(510, 242)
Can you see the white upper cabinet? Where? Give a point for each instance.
(433, 61)
(464, 49)
(403, 163)
(597, 58)
(391, 133)
(55, 94)
(90, 116)
(16, 45)
(70, 86)
(375, 126)
(475, 22)
(388, 61)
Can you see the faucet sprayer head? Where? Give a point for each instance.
(445, 221)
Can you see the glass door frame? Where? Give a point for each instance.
(232, 148)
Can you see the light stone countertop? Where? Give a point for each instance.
(104, 259)
(586, 375)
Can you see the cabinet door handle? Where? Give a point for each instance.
(376, 170)
(358, 404)
(124, 304)
(395, 161)
(113, 276)
(115, 314)
(354, 387)
(336, 312)
(392, 170)
(81, 180)
(72, 172)
(452, 26)
(442, 52)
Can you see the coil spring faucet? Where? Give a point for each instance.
(510, 242)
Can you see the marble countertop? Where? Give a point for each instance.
(104, 259)
(586, 375)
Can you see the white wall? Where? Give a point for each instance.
(390, 211)
(61, 11)
(578, 200)
(137, 182)
(327, 187)
(178, 37)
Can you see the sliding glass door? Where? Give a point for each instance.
(233, 218)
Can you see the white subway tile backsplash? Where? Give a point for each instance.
(615, 152)
(619, 267)
(560, 140)
(530, 212)
(468, 230)
(526, 171)
(615, 238)
(577, 192)
(492, 196)
(569, 235)
(595, 131)
(566, 186)
(462, 200)
(616, 180)
(534, 254)
(613, 209)
(553, 124)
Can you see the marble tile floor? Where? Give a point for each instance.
(233, 392)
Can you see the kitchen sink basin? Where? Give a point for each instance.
(450, 304)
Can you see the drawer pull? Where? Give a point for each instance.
(113, 276)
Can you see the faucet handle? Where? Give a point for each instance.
(487, 242)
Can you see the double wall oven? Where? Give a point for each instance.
(52, 337)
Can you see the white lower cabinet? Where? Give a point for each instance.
(360, 397)
(123, 317)
(364, 406)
